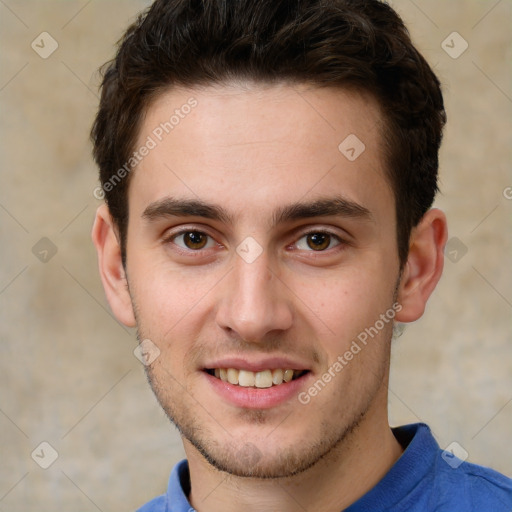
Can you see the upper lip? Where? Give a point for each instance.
(257, 364)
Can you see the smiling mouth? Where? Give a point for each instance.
(260, 380)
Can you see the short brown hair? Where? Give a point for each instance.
(337, 43)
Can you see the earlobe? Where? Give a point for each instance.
(111, 268)
(424, 265)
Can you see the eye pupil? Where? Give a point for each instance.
(194, 240)
(318, 241)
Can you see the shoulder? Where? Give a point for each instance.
(488, 487)
(438, 481)
(477, 487)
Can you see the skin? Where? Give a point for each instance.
(254, 149)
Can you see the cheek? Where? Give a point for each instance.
(167, 300)
(348, 305)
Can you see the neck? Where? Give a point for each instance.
(349, 471)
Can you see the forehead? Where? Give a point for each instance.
(252, 144)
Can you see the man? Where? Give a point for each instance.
(268, 169)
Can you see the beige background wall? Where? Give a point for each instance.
(68, 375)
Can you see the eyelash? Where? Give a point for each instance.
(173, 236)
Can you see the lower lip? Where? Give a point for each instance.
(257, 398)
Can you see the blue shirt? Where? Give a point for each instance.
(424, 479)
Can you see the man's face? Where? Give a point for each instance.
(259, 280)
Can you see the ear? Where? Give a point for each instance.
(113, 277)
(424, 265)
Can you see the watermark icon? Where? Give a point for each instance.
(507, 193)
(454, 455)
(249, 250)
(355, 348)
(455, 249)
(146, 352)
(44, 455)
(44, 45)
(44, 250)
(454, 45)
(351, 147)
(151, 142)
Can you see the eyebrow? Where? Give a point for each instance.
(172, 207)
(324, 207)
(335, 206)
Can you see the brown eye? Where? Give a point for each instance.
(318, 241)
(193, 240)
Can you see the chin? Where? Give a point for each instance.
(262, 459)
(248, 461)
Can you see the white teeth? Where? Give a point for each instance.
(262, 379)
(277, 376)
(246, 378)
(288, 375)
(232, 376)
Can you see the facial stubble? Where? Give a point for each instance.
(232, 455)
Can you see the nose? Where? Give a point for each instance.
(254, 303)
